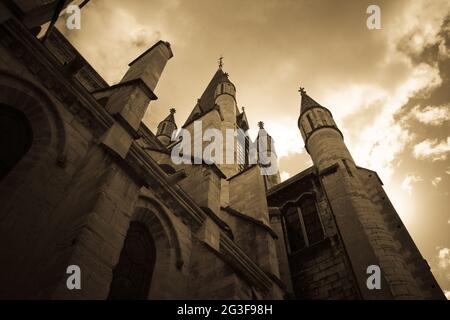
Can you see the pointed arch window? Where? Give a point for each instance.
(303, 226)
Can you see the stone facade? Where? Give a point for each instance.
(84, 182)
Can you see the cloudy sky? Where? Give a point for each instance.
(388, 89)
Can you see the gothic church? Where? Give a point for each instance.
(84, 182)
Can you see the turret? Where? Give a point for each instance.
(361, 223)
(225, 100)
(217, 109)
(224, 85)
(166, 128)
(318, 129)
(267, 157)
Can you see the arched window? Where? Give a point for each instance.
(15, 138)
(133, 274)
(303, 225)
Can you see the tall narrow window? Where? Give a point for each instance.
(15, 138)
(242, 149)
(294, 229)
(311, 220)
(311, 123)
(133, 274)
(303, 225)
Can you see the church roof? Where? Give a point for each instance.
(307, 101)
(206, 101)
(170, 117)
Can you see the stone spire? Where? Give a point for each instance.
(307, 101)
(166, 128)
(219, 84)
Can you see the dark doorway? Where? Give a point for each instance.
(15, 138)
(133, 274)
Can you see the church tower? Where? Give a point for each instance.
(217, 109)
(361, 223)
(166, 128)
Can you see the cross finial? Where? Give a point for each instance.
(261, 125)
(172, 110)
(243, 109)
(221, 62)
(302, 90)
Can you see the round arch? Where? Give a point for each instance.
(149, 212)
(48, 134)
(23, 185)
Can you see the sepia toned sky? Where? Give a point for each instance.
(388, 89)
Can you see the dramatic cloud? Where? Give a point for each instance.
(119, 37)
(408, 181)
(434, 116)
(435, 181)
(432, 149)
(376, 143)
(444, 257)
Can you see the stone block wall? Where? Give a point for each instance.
(319, 271)
(247, 194)
(32, 193)
(417, 265)
(203, 185)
